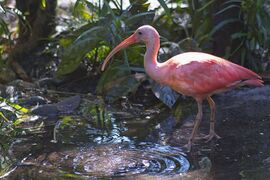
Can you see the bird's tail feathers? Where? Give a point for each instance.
(254, 82)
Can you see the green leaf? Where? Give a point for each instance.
(189, 44)
(114, 71)
(206, 6)
(15, 106)
(74, 53)
(238, 35)
(138, 6)
(64, 42)
(81, 10)
(4, 117)
(43, 4)
(117, 81)
(124, 85)
(222, 24)
(141, 16)
(70, 175)
(227, 8)
(98, 54)
(3, 27)
(165, 7)
(110, 9)
(232, 1)
(18, 121)
(66, 120)
(2, 9)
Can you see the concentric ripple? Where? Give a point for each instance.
(118, 160)
(164, 159)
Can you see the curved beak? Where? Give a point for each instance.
(128, 41)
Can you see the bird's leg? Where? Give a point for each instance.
(212, 132)
(197, 124)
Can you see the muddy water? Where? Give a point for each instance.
(136, 142)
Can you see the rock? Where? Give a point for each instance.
(267, 161)
(65, 106)
(34, 101)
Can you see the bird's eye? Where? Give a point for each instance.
(140, 33)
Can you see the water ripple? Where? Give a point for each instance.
(120, 160)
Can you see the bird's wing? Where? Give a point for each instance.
(208, 75)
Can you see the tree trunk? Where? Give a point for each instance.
(39, 23)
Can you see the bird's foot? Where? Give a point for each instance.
(211, 135)
(200, 137)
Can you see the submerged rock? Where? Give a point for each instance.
(65, 106)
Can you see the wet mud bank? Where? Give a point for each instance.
(243, 122)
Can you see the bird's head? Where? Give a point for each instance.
(144, 34)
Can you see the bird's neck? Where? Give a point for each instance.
(151, 65)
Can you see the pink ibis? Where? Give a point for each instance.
(195, 74)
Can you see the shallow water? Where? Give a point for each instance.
(101, 161)
(137, 142)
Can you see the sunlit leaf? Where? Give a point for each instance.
(66, 120)
(81, 10)
(19, 108)
(64, 42)
(3, 116)
(18, 121)
(2, 9)
(43, 4)
(15, 106)
(70, 175)
(165, 7)
(99, 53)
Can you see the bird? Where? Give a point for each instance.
(195, 74)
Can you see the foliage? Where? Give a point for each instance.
(254, 42)
(3, 25)
(11, 116)
(256, 32)
(6, 40)
(194, 20)
(103, 28)
(74, 53)
(186, 21)
(183, 26)
(117, 81)
(5, 32)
